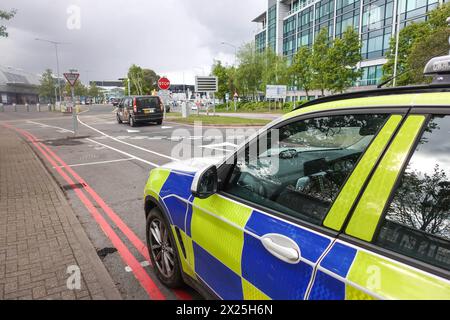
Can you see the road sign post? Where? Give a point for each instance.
(164, 85)
(72, 79)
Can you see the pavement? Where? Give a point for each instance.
(44, 251)
(102, 173)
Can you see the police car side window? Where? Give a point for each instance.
(417, 223)
(300, 168)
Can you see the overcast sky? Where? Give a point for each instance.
(171, 37)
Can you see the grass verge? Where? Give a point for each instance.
(218, 120)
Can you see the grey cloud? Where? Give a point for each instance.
(170, 36)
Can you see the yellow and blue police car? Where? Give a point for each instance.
(345, 198)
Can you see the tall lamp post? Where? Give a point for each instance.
(55, 43)
(128, 81)
(235, 50)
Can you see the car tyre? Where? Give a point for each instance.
(163, 250)
(119, 121)
(132, 122)
(159, 122)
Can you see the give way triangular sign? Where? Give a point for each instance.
(71, 78)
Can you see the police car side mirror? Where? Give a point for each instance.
(205, 183)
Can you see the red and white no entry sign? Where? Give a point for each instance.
(71, 78)
(164, 83)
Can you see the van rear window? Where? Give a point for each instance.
(147, 102)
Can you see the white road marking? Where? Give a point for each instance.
(134, 131)
(128, 144)
(99, 162)
(42, 125)
(114, 149)
(124, 153)
(165, 128)
(144, 264)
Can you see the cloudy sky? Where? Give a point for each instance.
(104, 37)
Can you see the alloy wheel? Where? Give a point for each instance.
(161, 248)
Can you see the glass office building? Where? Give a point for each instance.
(289, 24)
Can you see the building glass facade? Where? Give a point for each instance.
(375, 20)
(272, 28)
(260, 41)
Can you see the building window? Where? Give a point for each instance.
(348, 19)
(371, 75)
(260, 41)
(272, 27)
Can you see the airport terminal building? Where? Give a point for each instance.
(287, 25)
(18, 86)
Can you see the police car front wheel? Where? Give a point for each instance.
(163, 251)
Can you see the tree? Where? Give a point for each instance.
(415, 37)
(275, 69)
(94, 91)
(344, 55)
(80, 90)
(320, 64)
(406, 38)
(47, 86)
(423, 201)
(6, 15)
(222, 74)
(432, 45)
(150, 79)
(249, 73)
(301, 70)
(142, 81)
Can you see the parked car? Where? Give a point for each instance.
(349, 201)
(140, 109)
(114, 101)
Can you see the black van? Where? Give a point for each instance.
(139, 109)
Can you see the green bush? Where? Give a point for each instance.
(262, 106)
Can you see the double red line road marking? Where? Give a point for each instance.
(128, 258)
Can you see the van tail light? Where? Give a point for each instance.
(134, 105)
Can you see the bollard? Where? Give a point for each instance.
(38, 107)
(49, 107)
(15, 107)
(28, 107)
(2, 109)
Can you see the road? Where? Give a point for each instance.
(113, 162)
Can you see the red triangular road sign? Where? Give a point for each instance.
(71, 78)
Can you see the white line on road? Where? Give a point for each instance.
(126, 143)
(106, 146)
(124, 153)
(49, 126)
(100, 162)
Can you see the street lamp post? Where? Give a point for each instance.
(55, 43)
(128, 82)
(235, 50)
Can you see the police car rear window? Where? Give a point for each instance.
(417, 223)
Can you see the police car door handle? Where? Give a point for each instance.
(282, 247)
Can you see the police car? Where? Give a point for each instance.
(345, 198)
